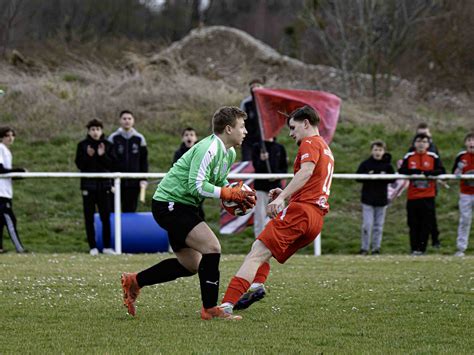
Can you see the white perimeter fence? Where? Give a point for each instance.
(118, 176)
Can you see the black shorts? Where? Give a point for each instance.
(177, 219)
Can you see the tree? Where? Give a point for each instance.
(365, 36)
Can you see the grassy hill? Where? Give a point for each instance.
(49, 211)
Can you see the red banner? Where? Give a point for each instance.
(270, 101)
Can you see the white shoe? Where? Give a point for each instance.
(109, 251)
(94, 252)
(459, 253)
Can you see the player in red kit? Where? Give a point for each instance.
(464, 165)
(297, 225)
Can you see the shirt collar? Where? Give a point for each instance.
(222, 143)
(125, 133)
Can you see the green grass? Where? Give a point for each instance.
(49, 211)
(71, 303)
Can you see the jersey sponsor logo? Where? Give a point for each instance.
(469, 183)
(304, 156)
(224, 168)
(426, 163)
(413, 164)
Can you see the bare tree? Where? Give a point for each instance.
(365, 35)
(10, 10)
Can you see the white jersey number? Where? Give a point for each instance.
(328, 181)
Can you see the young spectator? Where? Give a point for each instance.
(276, 156)
(248, 106)
(423, 128)
(421, 193)
(188, 139)
(7, 217)
(464, 164)
(374, 197)
(132, 157)
(95, 155)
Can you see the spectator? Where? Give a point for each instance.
(95, 155)
(132, 157)
(188, 139)
(374, 197)
(423, 128)
(252, 123)
(421, 211)
(275, 157)
(464, 164)
(7, 217)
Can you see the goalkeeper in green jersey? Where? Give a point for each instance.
(200, 173)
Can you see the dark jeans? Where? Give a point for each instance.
(129, 198)
(434, 231)
(101, 199)
(421, 215)
(8, 219)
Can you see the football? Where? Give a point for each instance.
(236, 209)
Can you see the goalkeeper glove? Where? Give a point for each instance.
(236, 194)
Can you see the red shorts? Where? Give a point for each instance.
(292, 229)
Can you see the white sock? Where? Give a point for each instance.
(256, 285)
(227, 304)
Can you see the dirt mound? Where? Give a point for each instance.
(231, 55)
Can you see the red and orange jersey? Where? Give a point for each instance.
(428, 164)
(317, 189)
(464, 164)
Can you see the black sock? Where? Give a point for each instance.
(209, 279)
(167, 270)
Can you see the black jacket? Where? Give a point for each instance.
(278, 164)
(251, 123)
(95, 163)
(131, 153)
(180, 152)
(374, 192)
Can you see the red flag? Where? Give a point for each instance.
(270, 101)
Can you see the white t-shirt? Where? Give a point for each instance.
(6, 189)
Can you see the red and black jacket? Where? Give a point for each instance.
(464, 164)
(428, 164)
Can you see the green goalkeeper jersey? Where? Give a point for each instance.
(199, 173)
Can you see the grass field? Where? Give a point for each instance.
(71, 303)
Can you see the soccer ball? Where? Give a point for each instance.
(236, 209)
